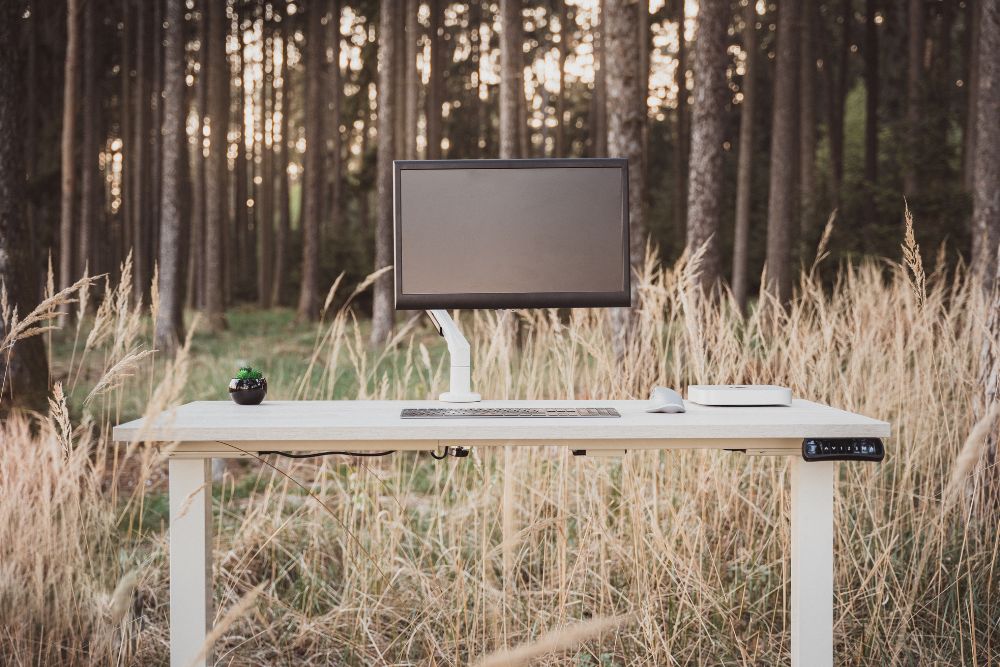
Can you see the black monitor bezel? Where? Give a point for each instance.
(513, 299)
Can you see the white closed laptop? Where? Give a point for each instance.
(739, 394)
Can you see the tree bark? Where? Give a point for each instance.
(140, 169)
(196, 255)
(705, 181)
(784, 132)
(969, 139)
(265, 210)
(600, 125)
(412, 76)
(914, 83)
(434, 87)
(168, 328)
(625, 120)
(871, 94)
(627, 115)
(645, 43)
(336, 95)
(313, 178)
(382, 313)
(564, 36)
(156, 148)
(216, 169)
(986, 210)
(278, 295)
(23, 368)
(90, 182)
(510, 63)
(125, 129)
(681, 144)
(744, 170)
(986, 194)
(837, 85)
(242, 271)
(807, 125)
(67, 201)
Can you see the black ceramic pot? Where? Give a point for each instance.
(248, 392)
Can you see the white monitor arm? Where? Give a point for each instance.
(461, 359)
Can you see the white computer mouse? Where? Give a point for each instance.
(662, 399)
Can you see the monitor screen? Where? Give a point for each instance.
(511, 233)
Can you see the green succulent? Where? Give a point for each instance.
(249, 373)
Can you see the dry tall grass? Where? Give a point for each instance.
(690, 548)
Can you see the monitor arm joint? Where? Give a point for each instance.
(460, 352)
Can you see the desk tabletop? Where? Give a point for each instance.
(306, 425)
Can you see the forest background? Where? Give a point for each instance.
(190, 186)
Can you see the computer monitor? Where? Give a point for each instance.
(541, 233)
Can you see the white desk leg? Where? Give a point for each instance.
(812, 563)
(190, 560)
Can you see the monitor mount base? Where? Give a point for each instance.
(460, 390)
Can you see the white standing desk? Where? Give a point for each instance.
(202, 427)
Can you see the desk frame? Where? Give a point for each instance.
(190, 491)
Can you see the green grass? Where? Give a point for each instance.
(271, 340)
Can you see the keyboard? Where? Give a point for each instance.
(462, 413)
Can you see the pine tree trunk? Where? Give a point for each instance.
(67, 201)
(807, 125)
(313, 177)
(871, 94)
(837, 85)
(156, 154)
(435, 84)
(399, 85)
(969, 138)
(986, 194)
(564, 37)
(23, 368)
(32, 118)
(625, 120)
(645, 43)
(196, 255)
(140, 169)
(242, 271)
(781, 198)
(125, 129)
(510, 63)
(942, 77)
(336, 96)
(681, 143)
(216, 208)
(90, 181)
(600, 126)
(265, 211)
(914, 83)
(278, 295)
(986, 210)
(168, 330)
(382, 313)
(412, 76)
(484, 115)
(707, 131)
(744, 170)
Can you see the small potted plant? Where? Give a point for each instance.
(249, 387)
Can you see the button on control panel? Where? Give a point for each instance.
(843, 449)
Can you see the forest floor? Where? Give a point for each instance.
(271, 340)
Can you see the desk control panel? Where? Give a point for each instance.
(462, 413)
(843, 449)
